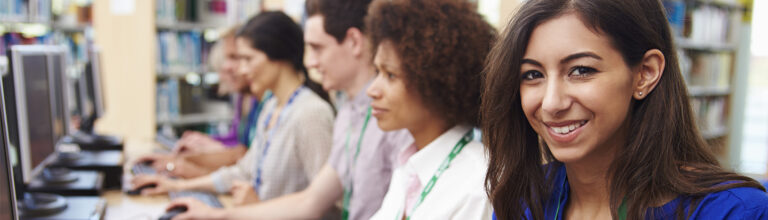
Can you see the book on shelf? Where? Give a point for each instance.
(72, 13)
(181, 52)
(703, 22)
(211, 13)
(242, 10)
(13, 38)
(710, 114)
(178, 97)
(25, 10)
(168, 99)
(706, 69)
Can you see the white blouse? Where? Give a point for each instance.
(459, 193)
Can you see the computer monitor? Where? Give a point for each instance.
(29, 123)
(7, 192)
(91, 87)
(28, 108)
(57, 63)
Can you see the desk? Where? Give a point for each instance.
(124, 207)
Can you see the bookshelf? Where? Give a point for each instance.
(706, 35)
(185, 32)
(58, 22)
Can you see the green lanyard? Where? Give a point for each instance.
(443, 166)
(622, 207)
(348, 190)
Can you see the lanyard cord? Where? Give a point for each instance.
(352, 163)
(270, 134)
(439, 172)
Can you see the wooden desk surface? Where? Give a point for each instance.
(124, 207)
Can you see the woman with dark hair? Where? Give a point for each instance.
(593, 89)
(429, 55)
(293, 139)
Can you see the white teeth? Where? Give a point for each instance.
(568, 128)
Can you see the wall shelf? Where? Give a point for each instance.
(194, 119)
(699, 91)
(705, 46)
(185, 26)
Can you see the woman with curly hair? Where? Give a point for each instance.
(593, 89)
(429, 55)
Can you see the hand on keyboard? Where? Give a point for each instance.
(156, 160)
(195, 209)
(162, 184)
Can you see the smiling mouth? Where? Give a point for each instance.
(566, 129)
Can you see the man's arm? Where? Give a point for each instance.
(310, 203)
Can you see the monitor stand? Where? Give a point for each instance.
(68, 207)
(66, 182)
(109, 162)
(92, 141)
(69, 156)
(41, 204)
(58, 175)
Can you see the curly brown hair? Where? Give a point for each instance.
(442, 45)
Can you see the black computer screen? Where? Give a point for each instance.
(39, 109)
(7, 204)
(59, 94)
(92, 84)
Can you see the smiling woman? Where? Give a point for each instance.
(594, 87)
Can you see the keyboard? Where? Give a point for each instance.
(143, 168)
(208, 198)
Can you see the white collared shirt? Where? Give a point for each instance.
(458, 194)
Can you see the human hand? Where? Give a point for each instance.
(196, 142)
(184, 168)
(243, 193)
(195, 209)
(157, 161)
(161, 184)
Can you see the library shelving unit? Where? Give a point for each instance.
(706, 34)
(186, 31)
(57, 22)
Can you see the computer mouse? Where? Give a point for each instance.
(138, 190)
(147, 162)
(173, 212)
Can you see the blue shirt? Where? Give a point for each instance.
(734, 203)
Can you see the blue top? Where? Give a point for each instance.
(734, 203)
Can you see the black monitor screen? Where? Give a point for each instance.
(40, 123)
(7, 205)
(59, 93)
(93, 87)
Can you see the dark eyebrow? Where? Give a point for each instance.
(532, 62)
(579, 55)
(313, 44)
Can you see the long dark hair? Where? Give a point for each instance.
(665, 155)
(280, 38)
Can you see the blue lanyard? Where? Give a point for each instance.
(271, 133)
(253, 118)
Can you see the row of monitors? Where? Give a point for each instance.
(36, 115)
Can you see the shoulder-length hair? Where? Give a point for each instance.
(665, 153)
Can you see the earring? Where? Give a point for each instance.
(640, 93)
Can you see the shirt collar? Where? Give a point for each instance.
(426, 161)
(361, 101)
